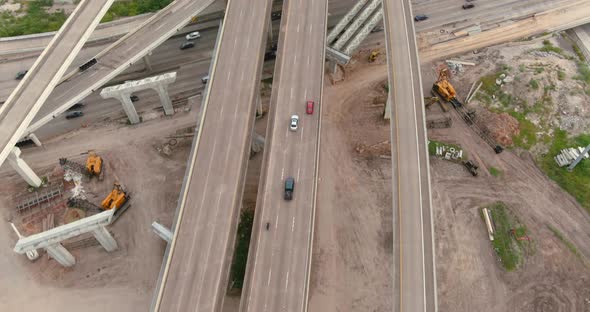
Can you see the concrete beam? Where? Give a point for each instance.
(387, 113)
(337, 56)
(345, 21)
(162, 231)
(61, 255)
(579, 158)
(148, 63)
(63, 232)
(35, 139)
(364, 32)
(356, 24)
(165, 99)
(22, 168)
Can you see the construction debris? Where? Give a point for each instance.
(568, 155)
(447, 152)
(444, 122)
(487, 215)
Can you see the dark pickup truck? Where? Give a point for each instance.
(289, 187)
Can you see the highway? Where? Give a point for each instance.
(33, 90)
(195, 269)
(414, 275)
(280, 258)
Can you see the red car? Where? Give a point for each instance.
(309, 107)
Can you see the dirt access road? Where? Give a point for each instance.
(351, 268)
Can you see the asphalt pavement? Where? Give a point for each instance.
(279, 259)
(195, 270)
(414, 279)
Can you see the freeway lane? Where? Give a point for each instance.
(26, 100)
(414, 284)
(194, 275)
(279, 259)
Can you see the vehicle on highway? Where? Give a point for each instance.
(468, 6)
(74, 114)
(187, 45)
(289, 187)
(205, 79)
(134, 98)
(309, 107)
(76, 106)
(294, 123)
(420, 17)
(194, 35)
(21, 74)
(275, 15)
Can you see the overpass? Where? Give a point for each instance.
(279, 261)
(28, 97)
(195, 271)
(414, 271)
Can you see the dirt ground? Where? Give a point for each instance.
(123, 280)
(351, 266)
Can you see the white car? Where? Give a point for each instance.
(294, 123)
(194, 35)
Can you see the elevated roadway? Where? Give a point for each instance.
(414, 274)
(279, 259)
(26, 100)
(195, 271)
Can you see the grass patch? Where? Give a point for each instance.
(133, 7)
(433, 144)
(528, 132)
(579, 53)
(549, 47)
(576, 182)
(583, 72)
(506, 247)
(521, 68)
(495, 171)
(566, 242)
(238, 268)
(561, 75)
(36, 20)
(539, 70)
(534, 84)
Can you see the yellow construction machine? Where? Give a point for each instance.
(116, 199)
(94, 165)
(373, 56)
(444, 89)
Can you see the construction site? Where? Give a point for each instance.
(508, 137)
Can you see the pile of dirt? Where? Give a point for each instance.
(502, 127)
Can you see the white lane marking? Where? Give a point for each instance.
(293, 225)
(291, 97)
(295, 59)
(298, 27)
(305, 94)
(287, 281)
(269, 275)
(310, 27)
(282, 174)
(298, 172)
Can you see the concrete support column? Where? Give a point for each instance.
(258, 106)
(35, 139)
(270, 37)
(147, 62)
(129, 108)
(165, 99)
(387, 114)
(107, 241)
(22, 168)
(61, 255)
(162, 231)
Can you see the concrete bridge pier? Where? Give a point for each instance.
(61, 255)
(387, 113)
(105, 239)
(162, 90)
(128, 107)
(22, 168)
(35, 139)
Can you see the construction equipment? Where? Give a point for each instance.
(117, 199)
(444, 89)
(519, 238)
(471, 166)
(93, 167)
(373, 56)
(442, 104)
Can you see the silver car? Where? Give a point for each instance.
(294, 123)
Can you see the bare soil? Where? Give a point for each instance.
(351, 266)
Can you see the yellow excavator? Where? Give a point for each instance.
(444, 89)
(94, 165)
(116, 199)
(373, 56)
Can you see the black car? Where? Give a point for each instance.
(420, 17)
(134, 98)
(76, 106)
(289, 187)
(21, 74)
(74, 114)
(187, 45)
(468, 6)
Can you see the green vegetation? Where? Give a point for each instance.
(36, 20)
(386, 87)
(506, 247)
(575, 182)
(539, 70)
(566, 242)
(495, 171)
(534, 84)
(133, 7)
(561, 75)
(433, 144)
(579, 53)
(583, 72)
(528, 131)
(549, 47)
(521, 68)
(238, 268)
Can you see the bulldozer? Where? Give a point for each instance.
(94, 165)
(444, 89)
(373, 56)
